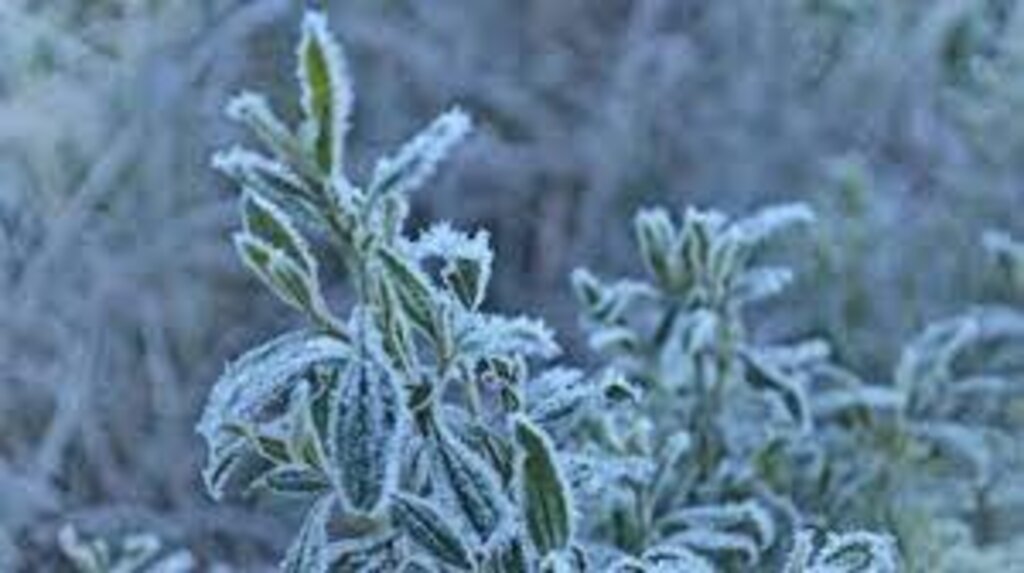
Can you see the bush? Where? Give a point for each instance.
(421, 432)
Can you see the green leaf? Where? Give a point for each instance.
(274, 181)
(253, 111)
(764, 374)
(546, 498)
(506, 555)
(374, 552)
(366, 428)
(282, 275)
(308, 552)
(656, 236)
(327, 97)
(490, 445)
(587, 288)
(396, 336)
(472, 484)
(253, 393)
(265, 221)
(412, 288)
(428, 526)
(418, 159)
(500, 336)
(293, 480)
(468, 260)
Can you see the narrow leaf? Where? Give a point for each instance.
(366, 429)
(327, 97)
(419, 158)
(547, 503)
(428, 526)
(472, 484)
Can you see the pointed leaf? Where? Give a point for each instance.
(253, 391)
(327, 97)
(270, 224)
(419, 158)
(366, 429)
(473, 486)
(308, 552)
(412, 288)
(656, 236)
(290, 282)
(546, 498)
(428, 527)
(253, 111)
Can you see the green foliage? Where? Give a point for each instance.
(420, 432)
(136, 553)
(383, 423)
(747, 443)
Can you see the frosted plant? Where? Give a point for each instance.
(411, 430)
(855, 551)
(741, 444)
(680, 338)
(138, 553)
(417, 431)
(721, 419)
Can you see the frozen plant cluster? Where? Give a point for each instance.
(420, 432)
(119, 301)
(763, 441)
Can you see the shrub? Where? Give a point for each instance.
(421, 432)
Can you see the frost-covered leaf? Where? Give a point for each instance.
(275, 181)
(712, 542)
(656, 237)
(771, 221)
(253, 111)
(559, 396)
(587, 288)
(376, 552)
(747, 516)
(418, 159)
(608, 304)
(308, 551)
(419, 564)
(546, 498)
(293, 480)
(664, 558)
(492, 335)
(473, 487)
(327, 97)
(428, 526)
(791, 389)
(365, 434)
(396, 339)
(268, 223)
(761, 283)
(412, 288)
(253, 391)
(468, 260)
(283, 275)
(506, 554)
(614, 340)
(494, 448)
(133, 553)
(927, 366)
(831, 403)
(853, 552)
(962, 443)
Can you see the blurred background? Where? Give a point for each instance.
(900, 122)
